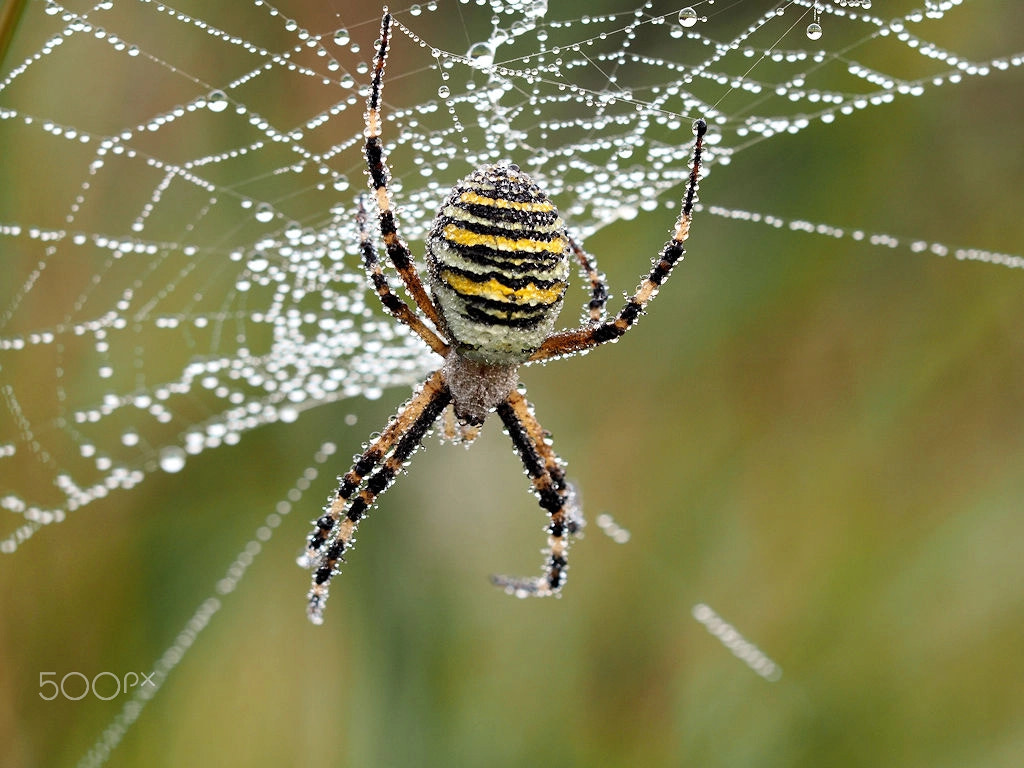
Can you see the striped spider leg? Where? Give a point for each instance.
(556, 496)
(587, 337)
(498, 258)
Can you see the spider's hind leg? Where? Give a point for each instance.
(555, 494)
(334, 532)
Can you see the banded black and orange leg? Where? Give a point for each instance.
(577, 340)
(398, 308)
(388, 453)
(598, 286)
(554, 494)
(397, 250)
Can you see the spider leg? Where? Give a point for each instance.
(577, 340)
(398, 308)
(401, 438)
(555, 495)
(598, 287)
(397, 250)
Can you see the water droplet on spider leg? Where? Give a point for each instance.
(688, 17)
(813, 31)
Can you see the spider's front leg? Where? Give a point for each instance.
(598, 287)
(376, 163)
(589, 336)
(555, 495)
(398, 308)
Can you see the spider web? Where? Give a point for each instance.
(177, 223)
(197, 263)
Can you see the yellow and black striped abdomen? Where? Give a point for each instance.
(498, 258)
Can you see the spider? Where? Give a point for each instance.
(498, 259)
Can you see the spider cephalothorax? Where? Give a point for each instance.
(498, 257)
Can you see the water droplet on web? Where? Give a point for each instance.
(172, 458)
(813, 31)
(415, 10)
(341, 37)
(130, 438)
(217, 101)
(444, 91)
(341, 184)
(688, 17)
(480, 55)
(264, 213)
(537, 8)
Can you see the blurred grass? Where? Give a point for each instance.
(821, 440)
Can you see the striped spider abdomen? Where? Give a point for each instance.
(498, 255)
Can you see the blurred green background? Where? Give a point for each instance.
(820, 439)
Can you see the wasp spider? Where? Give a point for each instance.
(498, 258)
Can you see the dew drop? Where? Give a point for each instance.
(814, 30)
(172, 459)
(341, 37)
(217, 101)
(341, 184)
(264, 213)
(444, 91)
(688, 17)
(480, 55)
(537, 8)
